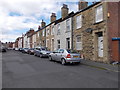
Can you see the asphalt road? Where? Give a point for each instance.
(28, 71)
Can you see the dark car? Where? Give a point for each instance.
(31, 51)
(41, 52)
(25, 50)
(20, 49)
(3, 49)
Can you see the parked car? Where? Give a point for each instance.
(20, 49)
(30, 51)
(41, 52)
(16, 49)
(25, 50)
(65, 56)
(3, 49)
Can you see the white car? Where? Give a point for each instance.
(65, 56)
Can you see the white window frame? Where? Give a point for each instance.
(52, 44)
(43, 33)
(38, 34)
(68, 25)
(99, 14)
(58, 44)
(67, 39)
(58, 29)
(78, 21)
(47, 32)
(47, 42)
(52, 30)
(78, 43)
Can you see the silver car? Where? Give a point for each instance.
(65, 56)
(41, 52)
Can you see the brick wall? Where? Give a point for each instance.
(113, 29)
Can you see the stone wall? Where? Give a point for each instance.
(89, 31)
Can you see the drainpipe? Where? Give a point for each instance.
(72, 32)
(45, 36)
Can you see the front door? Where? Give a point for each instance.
(52, 44)
(100, 46)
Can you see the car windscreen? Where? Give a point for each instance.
(43, 49)
(72, 51)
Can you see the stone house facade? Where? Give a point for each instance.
(34, 40)
(42, 32)
(90, 32)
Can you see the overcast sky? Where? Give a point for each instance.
(18, 16)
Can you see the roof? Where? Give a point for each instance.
(69, 15)
(60, 20)
(86, 8)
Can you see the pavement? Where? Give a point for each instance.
(104, 66)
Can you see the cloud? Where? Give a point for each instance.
(18, 16)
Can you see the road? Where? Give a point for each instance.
(28, 71)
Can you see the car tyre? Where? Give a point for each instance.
(34, 54)
(50, 58)
(63, 62)
(40, 55)
(77, 63)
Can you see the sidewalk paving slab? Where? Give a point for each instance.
(100, 65)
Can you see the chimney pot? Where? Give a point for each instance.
(64, 11)
(53, 17)
(43, 24)
(82, 4)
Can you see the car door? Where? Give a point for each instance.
(59, 55)
(53, 55)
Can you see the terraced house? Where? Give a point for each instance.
(42, 31)
(92, 34)
(50, 33)
(63, 29)
(93, 31)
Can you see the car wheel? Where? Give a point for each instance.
(63, 62)
(40, 55)
(50, 58)
(77, 63)
(34, 54)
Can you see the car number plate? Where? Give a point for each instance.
(75, 56)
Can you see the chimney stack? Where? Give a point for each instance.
(43, 24)
(64, 11)
(53, 17)
(39, 27)
(82, 4)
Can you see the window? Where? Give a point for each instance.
(47, 44)
(58, 32)
(47, 33)
(61, 51)
(67, 25)
(78, 43)
(58, 41)
(99, 14)
(67, 43)
(38, 34)
(43, 33)
(78, 21)
(52, 31)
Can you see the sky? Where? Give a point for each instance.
(18, 16)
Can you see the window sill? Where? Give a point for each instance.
(98, 22)
(67, 31)
(78, 28)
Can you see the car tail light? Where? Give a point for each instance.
(80, 55)
(68, 56)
